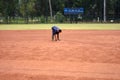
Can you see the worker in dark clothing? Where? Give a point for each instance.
(55, 33)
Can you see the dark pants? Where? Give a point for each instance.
(55, 35)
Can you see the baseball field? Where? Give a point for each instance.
(85, 52)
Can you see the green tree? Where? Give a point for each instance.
(117, 10)
(41, 8)
(9, 9)
(59, 18)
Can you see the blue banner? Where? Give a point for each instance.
(73, 10)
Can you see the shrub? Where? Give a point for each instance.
(59, 17)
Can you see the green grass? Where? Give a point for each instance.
(62, 26)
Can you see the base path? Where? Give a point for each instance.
(75, 69)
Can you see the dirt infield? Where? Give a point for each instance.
(80, 55)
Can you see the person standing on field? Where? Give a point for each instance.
(55, 33)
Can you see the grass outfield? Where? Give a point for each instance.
(62, 26)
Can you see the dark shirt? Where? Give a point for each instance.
(55, 30)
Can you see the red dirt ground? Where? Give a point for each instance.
(80, 55)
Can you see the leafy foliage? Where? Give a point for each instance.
(28, 9)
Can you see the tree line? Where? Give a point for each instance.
(38, 11)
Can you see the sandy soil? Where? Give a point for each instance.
(80, 55)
